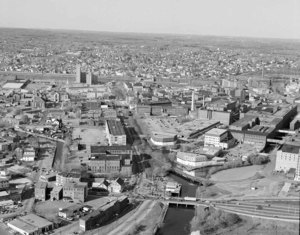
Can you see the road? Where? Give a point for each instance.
(131, 222)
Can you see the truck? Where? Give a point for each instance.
(192, 199)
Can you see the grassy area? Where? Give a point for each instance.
(261, 226)
(231, 174)
(150, 222)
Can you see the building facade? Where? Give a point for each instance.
(115, 132)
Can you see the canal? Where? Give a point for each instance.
(177, 220)
(188, 189)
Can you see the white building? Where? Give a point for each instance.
(116, 186)
(190, 159)
(115, 132)
(287, 158)
(218, 138)
(29, 155)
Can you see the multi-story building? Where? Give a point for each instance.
(190, 159)
(76, 191)
(105, 164)
(56, 193)
(29, 155)
(64, 177)
(40, 191)
(115, 150)
(115, 132)
(287, 158)
(219, 138)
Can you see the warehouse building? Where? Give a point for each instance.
(103, 214)
(30, 224)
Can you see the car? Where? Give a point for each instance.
(259, 207)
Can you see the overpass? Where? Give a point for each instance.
(258, 209)
(290, 132)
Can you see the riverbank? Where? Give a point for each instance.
(144, 220)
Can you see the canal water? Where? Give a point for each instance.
(177, 220)
(188, 189)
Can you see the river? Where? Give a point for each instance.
(177, 220)
(188, 189)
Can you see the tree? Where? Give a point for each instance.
(24, 119)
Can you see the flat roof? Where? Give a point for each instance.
(103, 149)
(216, 132)
(98, 203)
(41, 184)
(28, 228)
(104, 157)
(30, 223)
(115, 127)
(290, 148)
(13, 85)
(244, 121)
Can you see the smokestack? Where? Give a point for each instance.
(78, 73)
(89, 78)
(193, 101)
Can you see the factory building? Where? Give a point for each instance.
(115, 132)
(219, 138)
(287, 158)
(105, 213)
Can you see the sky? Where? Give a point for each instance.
(245, 18)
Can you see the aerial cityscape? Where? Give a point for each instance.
(148, 133)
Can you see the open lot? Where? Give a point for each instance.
(174, 126)
(49, 209)
(89, 136)
(236, 173)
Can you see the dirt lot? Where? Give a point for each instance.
(89, 136)
(49, 209)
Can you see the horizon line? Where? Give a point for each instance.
(154, 33)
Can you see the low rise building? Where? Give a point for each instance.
(103, 214)
(173, 188)
(116, 186)
(70, 211)
(30, 224)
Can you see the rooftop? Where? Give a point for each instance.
(115, 127)
(30, 223)
(103, 149)
(290, 148)
(216, 132)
